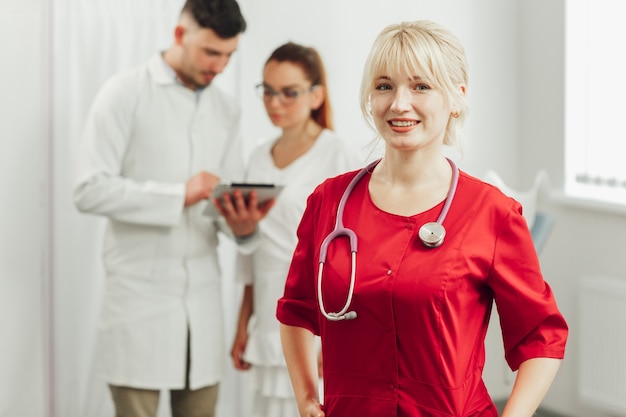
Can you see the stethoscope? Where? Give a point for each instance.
(431, 234)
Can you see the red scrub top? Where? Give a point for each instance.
(416, 347)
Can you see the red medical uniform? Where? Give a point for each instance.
(416, 348)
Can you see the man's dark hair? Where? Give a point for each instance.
(221, 16)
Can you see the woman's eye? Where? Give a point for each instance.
(422, 87)
(383, 87)
(290, 93)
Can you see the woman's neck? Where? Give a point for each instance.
(413, 169)
(407, 184)
(305, 132)
(295, 142)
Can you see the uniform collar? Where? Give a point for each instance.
(160, 70)
(163, 73)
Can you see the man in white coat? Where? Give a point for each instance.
(157, 141)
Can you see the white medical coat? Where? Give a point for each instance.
(144, 137)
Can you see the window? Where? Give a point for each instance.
(595, 100)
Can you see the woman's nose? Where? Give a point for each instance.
(401, 101)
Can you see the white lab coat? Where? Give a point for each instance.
(144, 137)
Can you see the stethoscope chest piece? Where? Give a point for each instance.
(431, 234)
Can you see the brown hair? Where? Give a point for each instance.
(311, 63)
(222, 16)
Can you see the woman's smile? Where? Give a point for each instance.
(402, 125)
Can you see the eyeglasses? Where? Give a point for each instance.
(286, 96)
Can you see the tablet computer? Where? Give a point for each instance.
(264, 193)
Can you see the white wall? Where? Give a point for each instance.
(343, 32)
(569, 255)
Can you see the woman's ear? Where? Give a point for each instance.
(318, 95)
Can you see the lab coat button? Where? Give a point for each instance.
(389, 272)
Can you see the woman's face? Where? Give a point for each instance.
(409, 113)
(288, 96)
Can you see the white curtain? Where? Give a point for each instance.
(91, 40)
(57, 54)
(23, 169)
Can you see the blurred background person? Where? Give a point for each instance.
(157, 141)
(294, 91)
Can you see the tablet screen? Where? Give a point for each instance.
(264, 192)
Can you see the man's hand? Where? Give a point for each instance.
(200, 187)
(242, 218)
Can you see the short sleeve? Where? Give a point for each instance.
(298, 306)
(532, 325)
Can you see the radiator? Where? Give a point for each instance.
(602, 343)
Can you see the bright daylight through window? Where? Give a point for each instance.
(596, 100)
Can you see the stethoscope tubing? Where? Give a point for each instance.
(453, 184)
(434, 230)
(342, 314)
(340, 230)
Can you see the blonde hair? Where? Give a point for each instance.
(425, 49)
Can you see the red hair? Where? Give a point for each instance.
(311, 63)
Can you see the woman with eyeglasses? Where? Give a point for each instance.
(294, 92)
